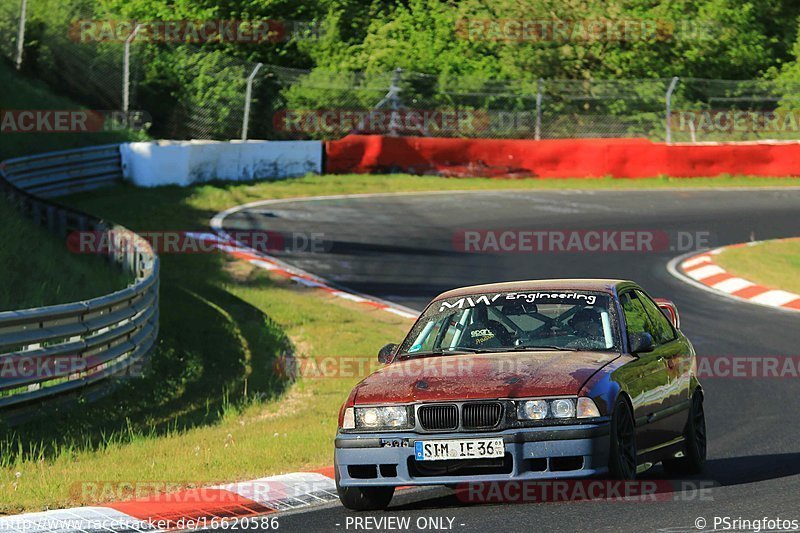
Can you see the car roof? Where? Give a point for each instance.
(600, 285)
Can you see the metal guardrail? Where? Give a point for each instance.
(59, 173)
(75, 350)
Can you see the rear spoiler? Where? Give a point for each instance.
(670, 310)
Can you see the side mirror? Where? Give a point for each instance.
(386, 354)
(641, 342)
(670, 310)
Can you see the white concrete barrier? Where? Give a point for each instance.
(149, 164)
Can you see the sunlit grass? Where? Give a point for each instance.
(774, 264)
(213, 409)
(37, 269)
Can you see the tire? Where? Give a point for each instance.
(622, 454)
(694, 433)
(364, 498)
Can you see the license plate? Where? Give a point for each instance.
(440, 450)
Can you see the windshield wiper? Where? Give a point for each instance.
(460, 350)
(536, 348)
(439, 351)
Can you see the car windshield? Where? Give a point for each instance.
(514, 321)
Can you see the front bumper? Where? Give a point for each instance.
(548, 452)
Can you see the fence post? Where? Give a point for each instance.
(393, 97)
(394, 100)
(126, 69)
(538, 132)
(248, 96)
(21, 32)
(668, 124)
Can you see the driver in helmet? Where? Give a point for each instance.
(588, 328)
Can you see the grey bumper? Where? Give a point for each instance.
(554, 452)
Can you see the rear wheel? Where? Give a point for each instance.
(364, 498)
(694, 459)
(622, 457)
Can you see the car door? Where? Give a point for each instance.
(677, 354)
(647, 380)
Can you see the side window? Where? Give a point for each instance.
(432, 334)
(635, 316)
(662, 329)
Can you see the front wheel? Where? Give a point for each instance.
(622, 457)
(364, 498)
(694, 459)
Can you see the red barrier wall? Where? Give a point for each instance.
(562, 158)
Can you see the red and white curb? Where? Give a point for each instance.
(228, 244)
(279, 268)
(701, 270)
(210, 507)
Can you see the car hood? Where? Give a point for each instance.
(482, 376)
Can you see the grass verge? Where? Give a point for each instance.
(774, 264)
(36, 269)
(211, 407)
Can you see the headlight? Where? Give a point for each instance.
(368, 417)
(587, 408)
(532, 410)
(558, 408)
(381, 417)
(563, 408)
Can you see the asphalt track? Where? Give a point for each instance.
(401, 248)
